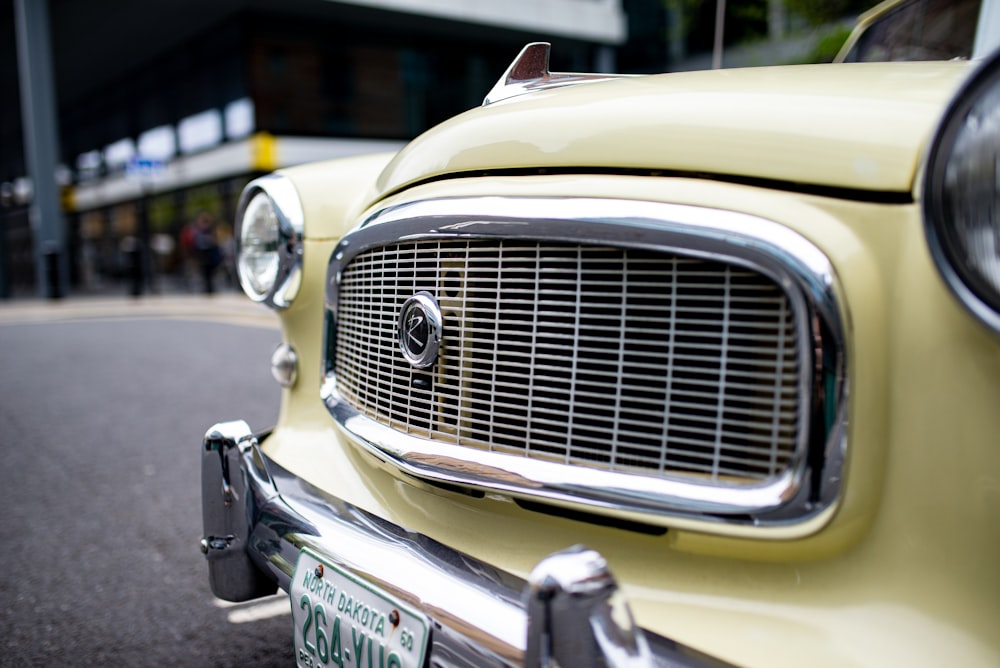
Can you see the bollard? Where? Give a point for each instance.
(132, 252)
(53, 288)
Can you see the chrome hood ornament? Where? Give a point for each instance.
(530, 72)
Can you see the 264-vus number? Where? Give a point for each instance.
(343, 621)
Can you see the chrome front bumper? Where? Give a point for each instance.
(257, 516)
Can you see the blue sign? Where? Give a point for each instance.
(144, 167)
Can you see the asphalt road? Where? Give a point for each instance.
(103, 405)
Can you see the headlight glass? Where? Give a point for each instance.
(962, 195)
(260, 242)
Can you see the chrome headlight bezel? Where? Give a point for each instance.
(280, 289)
(962, 177)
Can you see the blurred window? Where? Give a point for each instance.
(239, 118)
(920, 30)
(200, 131)
(159, 143)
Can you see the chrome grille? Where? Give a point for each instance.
(620, 359)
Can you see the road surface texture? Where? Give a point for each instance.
(103, 404)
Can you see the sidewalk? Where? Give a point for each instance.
(226, 307)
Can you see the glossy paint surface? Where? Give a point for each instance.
(859, 126)
(905, 573)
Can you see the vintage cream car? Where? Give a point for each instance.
(689, 369)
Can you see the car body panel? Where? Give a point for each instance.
(886, 556)
(869, 122)
(902, 571)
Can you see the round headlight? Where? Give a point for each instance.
(260, 241)
(962, 195)
(269, 233)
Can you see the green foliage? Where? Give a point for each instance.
(819, 12)
(746, 21)
(828, 46)
(162, 212)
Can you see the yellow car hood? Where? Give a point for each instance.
(856, 126)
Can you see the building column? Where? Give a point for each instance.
(605, 60)
(41, 144)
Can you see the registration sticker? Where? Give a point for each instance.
(340, 620)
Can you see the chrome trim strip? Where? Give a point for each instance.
(810, 485)
(529, 73)
(481, 616)
(975, 293)
(291, 221)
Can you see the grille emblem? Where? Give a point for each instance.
(420, 326)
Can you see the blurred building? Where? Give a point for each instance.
(166, 108)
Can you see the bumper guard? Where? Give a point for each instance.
(257, 516)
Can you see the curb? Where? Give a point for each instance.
(224, 308)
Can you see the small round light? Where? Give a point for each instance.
(259, 247)
(285, 365)
(962, 195)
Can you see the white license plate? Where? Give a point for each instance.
(342, 621)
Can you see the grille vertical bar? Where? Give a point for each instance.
(623, 360)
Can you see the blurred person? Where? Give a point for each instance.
(227, 247)
(206, 249)
(188, 255)
(163, 247)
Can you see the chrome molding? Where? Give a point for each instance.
(225, 499)
(808, 486)
(573, 618)
(481, 616)
(291, 220)
(529, 73)
(974, 106)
